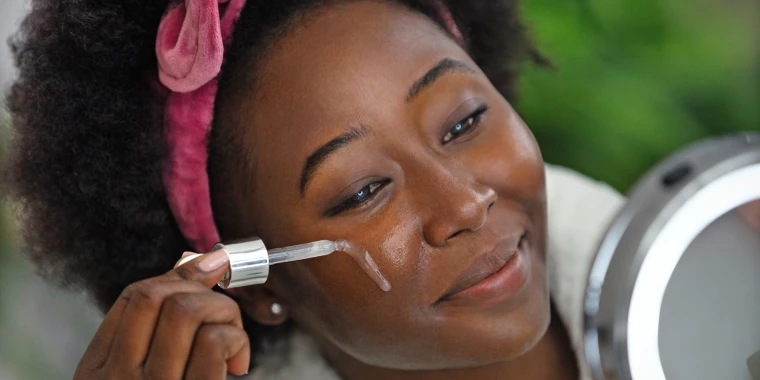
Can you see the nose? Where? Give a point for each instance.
(455, 203)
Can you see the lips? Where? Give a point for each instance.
(493, 273)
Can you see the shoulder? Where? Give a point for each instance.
(579, 210)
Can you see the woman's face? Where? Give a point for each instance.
(370, 123)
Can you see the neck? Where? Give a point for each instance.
(552, 358)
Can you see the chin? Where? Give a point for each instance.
(521, 331)
(517, 331)
(465, 337)
(533, 333)
(493, 337)
(534, 317)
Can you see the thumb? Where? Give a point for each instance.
(751, 213)
(208, 269)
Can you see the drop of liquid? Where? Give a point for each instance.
(365, 261)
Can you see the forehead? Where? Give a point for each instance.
(338, 49)
(343, 65)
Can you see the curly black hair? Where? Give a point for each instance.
(85, 159)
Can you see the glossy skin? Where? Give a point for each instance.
(447, 175)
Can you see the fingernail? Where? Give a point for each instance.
(186, 257)
(213, 261)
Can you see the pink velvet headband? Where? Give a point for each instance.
(190, 50)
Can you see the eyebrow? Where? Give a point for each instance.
(443, 66)
(320, 155)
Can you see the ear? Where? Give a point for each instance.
(261, 304)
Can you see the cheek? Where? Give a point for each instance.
(335, 299)
(509, 160)
(391, 237)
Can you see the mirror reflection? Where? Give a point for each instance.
(710, 312)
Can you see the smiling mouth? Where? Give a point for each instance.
(494, 276)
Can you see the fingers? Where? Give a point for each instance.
(143, 302)
(140, 316)
(158, 327)
(751, 213)
(217, 350)
(208, 269)
(181, 316)
(100, 346)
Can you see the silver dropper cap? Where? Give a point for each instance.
(249, 259)
(249, 263)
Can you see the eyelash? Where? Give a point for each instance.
(467, 124)
(367, 192)
(358, 199)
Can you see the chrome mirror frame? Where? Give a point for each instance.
(665, 211)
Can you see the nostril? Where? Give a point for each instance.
(491, 198)
(455, 234)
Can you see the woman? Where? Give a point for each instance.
(382, 122)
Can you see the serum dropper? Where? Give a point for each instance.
(250, 260)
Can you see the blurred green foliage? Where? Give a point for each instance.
(635, 80)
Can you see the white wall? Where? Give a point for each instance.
(11, 14)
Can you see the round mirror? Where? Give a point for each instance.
(674, 290)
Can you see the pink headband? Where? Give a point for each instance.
(190, 50)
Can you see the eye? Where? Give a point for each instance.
(359, 198)
(464, 126)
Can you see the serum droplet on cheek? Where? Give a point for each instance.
(365, 261)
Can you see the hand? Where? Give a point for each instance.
(171, 327)
(751, 213)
